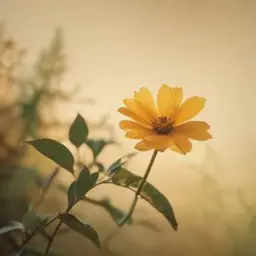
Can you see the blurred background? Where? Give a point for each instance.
(58, 58)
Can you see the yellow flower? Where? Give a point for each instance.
(165, 126)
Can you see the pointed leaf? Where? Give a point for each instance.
(97, 145)
(80, 227)
(78, 131)
(55, 151)
(149, 193)
(116, 166)
(82, 185)
(72, 198)
(32, 220)
(116, 213)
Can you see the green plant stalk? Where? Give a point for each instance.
(52, 238)
(136, 197)
(129, 213)
(55, 232)
(60, 222)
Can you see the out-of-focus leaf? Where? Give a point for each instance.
(55, 151)
(81, 186)
(29, 112)
(78, 131)
(117, 165)
(130, 155)
(51, 61)
(100, 166)
(97, 145)
(32, 220)
(148, 224)
(84, 229)
(116, 213)
(33, 174)
(252, 226)
(151, 194)
(22, 180)
(14, 225)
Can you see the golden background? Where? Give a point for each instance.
(115, 47)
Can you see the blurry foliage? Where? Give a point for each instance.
(25, 94)
(85, 179)
(241, 227)
(28, 99)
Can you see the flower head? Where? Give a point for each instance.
(167, 125)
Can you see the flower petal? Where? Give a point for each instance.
(173, 147)
(201, 136)
(192, 125)
(168, 99)
(139, 133)
(129, 113)
(190, 108)
(141, 146)
(181, 142)
(158, 142)
(129, 125)
(196, 130)
(139, 109)
(144, 97)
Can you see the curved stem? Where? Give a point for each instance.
(55, 233)
(108, 239)
(136, 197)
(52, 238)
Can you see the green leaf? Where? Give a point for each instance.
(125, 178)
(116, 213)
(14, 225)
(78, 131)
(55, 151)
(82, 185)
(84, 229)
(97, 145)
(115, 167)
(151, 194)
(32, 220)
(72, 198)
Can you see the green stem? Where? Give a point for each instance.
(52, 238)
(136, 197)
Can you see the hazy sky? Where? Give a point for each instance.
(115, 47)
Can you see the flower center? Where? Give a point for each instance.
(162, 125)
